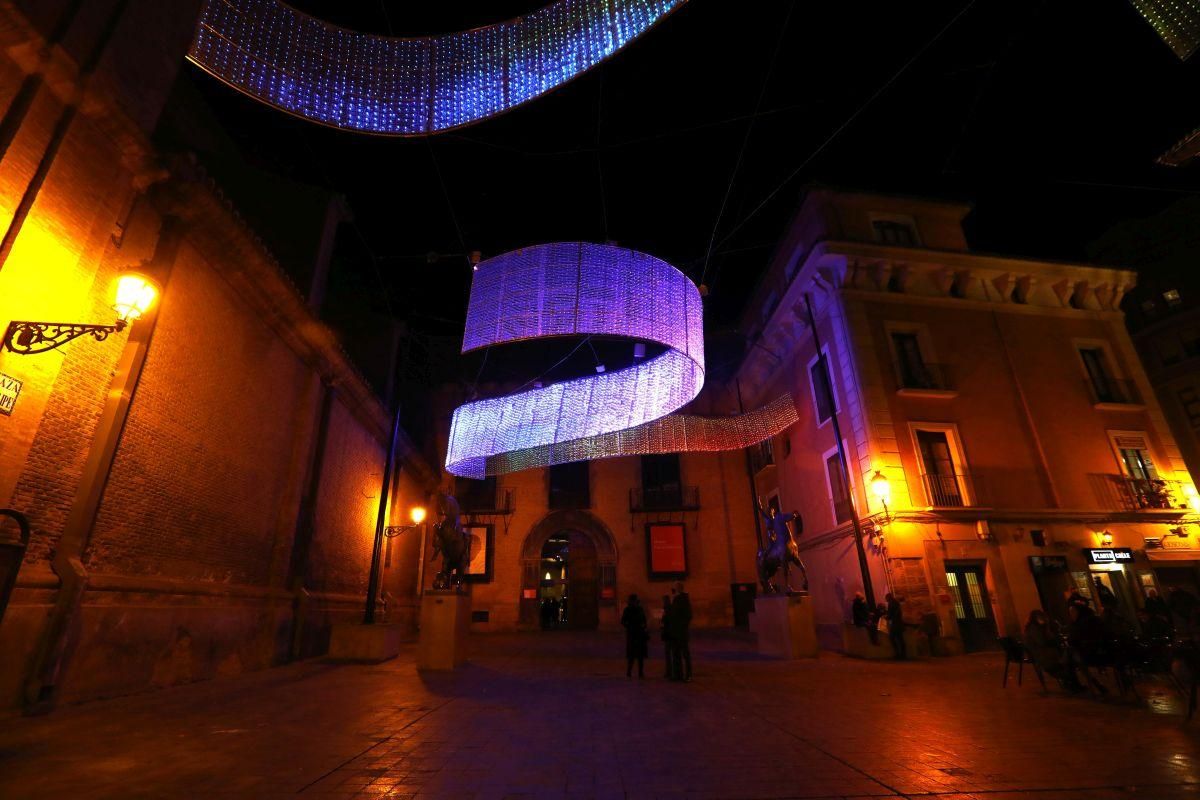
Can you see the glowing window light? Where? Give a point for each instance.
(406, 87)
(578, 289)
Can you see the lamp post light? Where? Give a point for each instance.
(881, 487)
(134, 296)
(417, 515)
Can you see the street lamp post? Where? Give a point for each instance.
(135, 294)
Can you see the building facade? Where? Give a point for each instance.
(564, 546)
(1001, 439)
(202, 487)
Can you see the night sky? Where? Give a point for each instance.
(1046, 115)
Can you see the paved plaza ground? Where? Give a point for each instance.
(553, 716)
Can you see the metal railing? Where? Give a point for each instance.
(945, 491)
(664, 498)
(497, 501)
(923, 376)
(1113, 390)
(762, 455)
(1141, 493)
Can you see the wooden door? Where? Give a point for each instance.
(583, 583)
(972, 607)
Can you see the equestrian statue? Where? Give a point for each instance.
(450, 542)
(780, 550)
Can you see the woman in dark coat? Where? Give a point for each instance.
(636, 636)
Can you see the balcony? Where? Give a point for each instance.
(925, 380)
(762, 455)
(1112, 394)
(486, 500)
(945, 491)
(672, 498)
(1139, 494)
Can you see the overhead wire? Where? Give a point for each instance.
(762, 92)
(849, 120)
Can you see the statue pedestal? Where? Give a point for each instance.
(785, 626)
(445, 625)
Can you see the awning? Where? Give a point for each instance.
(1173, 555)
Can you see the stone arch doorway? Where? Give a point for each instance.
(584, 575)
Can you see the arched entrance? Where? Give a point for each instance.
(568, 571)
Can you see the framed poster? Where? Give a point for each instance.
(480, 541)
(666, 551)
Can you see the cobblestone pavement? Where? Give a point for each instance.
(552, 716)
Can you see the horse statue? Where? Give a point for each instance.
(450, 542)
(781, 550)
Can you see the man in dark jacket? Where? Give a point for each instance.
(895, 618)
(860, 615)
(678, 622)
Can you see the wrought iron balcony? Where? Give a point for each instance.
(673, 498)
(762, 455)
(486, 500)
(924, 377)
(1113, 392)
(1142, 494)
(945, 491)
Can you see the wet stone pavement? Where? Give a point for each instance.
(553, 716)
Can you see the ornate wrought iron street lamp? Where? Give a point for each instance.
(135, 294)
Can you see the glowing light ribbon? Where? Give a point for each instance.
(409, 87)
(590, 289)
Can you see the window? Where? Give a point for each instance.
(661, 485)
(1172, 297)
(942, 463)
(1190, 400)
(839, 494)
(1095, 364)
(787, 444)
(1143, 488)
(822, 387)
(910, 363)
(475, 495)
(895, 232)
(569, 486)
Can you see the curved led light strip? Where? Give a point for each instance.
(408, 87)
(578, 289)
(589, 289)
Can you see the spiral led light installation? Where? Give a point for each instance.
(571, 289)
(407, 87)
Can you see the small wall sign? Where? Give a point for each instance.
(10, 389)
(1109, 555)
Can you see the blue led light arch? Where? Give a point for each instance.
(409, 86)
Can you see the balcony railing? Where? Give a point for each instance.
(1114, 391)
(762, 455)
(945, 491)
(1140, 494)
(497, 501)
(924, 376)
(673, 498)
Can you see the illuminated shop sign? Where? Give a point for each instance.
(1109, 555)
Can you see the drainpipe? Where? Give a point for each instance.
(41, 687)
(1043, 462)
(758, 533)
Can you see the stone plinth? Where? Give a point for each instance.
(785, 626)
(445, 626)
(369, 644)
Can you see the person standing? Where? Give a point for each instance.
(634, 621)
(895, 620)
(666, 637)
(860, 615)
(679, 621)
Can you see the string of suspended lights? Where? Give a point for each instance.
(409, 86)
(581, 289)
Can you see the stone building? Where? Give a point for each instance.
(997, 404)
(586, 535)
(203, 486)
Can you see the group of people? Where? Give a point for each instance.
(676, 625)
(1102, 636)
(887, 616)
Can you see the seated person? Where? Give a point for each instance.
(1046, 650)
